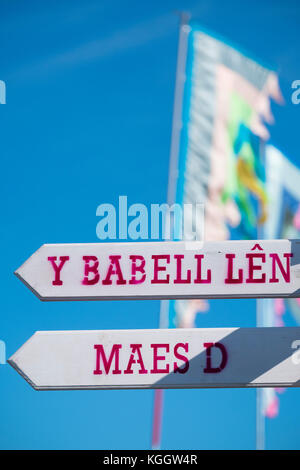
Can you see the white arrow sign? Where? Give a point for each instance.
(178, 358)
(164, 270)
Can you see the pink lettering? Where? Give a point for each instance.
(199, 279)
(57, 269)
(230, 279)
(158, 268)
(90, 269)
(212, 370)
(185, 368)
(136, 348)
(140, 268)
(253, 267)
(107, 362)
(179, 279)
(157, 358)
(257, 247)
(285, 272)
(114, 269)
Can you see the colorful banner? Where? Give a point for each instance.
(283, 189)
(226, 98)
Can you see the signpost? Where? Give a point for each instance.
(164, 270)
(173, 358)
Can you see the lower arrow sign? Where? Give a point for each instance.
(179, 358)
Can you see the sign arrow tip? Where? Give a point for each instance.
(13, 364)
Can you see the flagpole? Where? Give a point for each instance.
(171, 196)
(260, 322)
(260, 418)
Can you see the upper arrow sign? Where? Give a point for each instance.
(164, 270)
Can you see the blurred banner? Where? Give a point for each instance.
(283, 189)
(222, 100)
(226, 98)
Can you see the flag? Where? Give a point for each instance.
(226, 99)
(222, 100)
(283, 189)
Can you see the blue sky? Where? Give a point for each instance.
(90, 89)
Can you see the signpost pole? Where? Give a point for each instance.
(172, 182)
(260, 418)
(260, 322)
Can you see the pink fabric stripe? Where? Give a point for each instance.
(273, 408)
(157, 419)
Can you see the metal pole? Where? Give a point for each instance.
(171, 197)
(260, 418)
(178, 103)
(260, 321)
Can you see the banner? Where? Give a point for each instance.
(225, 100)
(283, 189)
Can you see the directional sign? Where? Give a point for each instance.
(164, 270)
(174, 358)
